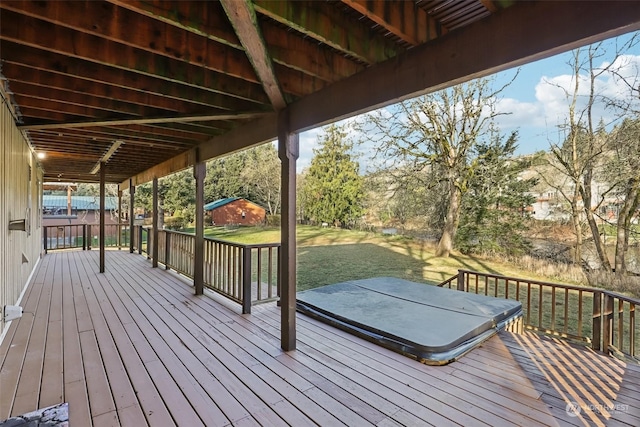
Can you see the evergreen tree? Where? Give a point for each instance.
(493, 212)
(333, 187)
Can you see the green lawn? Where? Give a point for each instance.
(331, 255)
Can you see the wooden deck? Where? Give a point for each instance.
(134, 347)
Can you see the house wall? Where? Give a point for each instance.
(20, 197)
(231, 213)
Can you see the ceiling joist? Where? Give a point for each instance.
(143, 121)
(169, 77)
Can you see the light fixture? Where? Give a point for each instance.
(41, 155)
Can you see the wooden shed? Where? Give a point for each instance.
(235, 210)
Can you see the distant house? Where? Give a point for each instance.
(62, 210)
(235, 210)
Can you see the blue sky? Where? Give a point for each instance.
(535, 101)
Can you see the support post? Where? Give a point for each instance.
(288, 151)
(607, 324)
(132, 193)
(167, 250)
(46, 239)
(596, 338)
(460, 284)
(140, 230)
(119, 226)
(246, 280)
(154, 250)
(199, 172)
(102, 209)
(84, 237)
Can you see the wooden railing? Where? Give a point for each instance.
(85, 236)
(605, 319)
(246, 274)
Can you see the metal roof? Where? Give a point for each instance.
(81, 203)
(220, 202)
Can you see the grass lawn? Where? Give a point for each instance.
(332, 255)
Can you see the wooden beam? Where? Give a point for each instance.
(504, 40)
(285, 47)
(199, 173)
(243, 18)
(307, 55)
(251, 134)
(175, 164)
(103, 174)
(150, 35)
(144, 121)
(256, 132)
(47, 36)
(402, 18)
(20, 74)
(327, 24)
(203, 18)
(288, 151)
(101, 73)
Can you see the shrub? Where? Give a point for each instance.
(174, 222)
(273, 220)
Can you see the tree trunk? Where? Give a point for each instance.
(632, 198)
(585, 192)
(445, 245)
(577, 228)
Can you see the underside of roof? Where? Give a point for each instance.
(151, 86)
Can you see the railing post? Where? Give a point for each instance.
(607, 333)
(596, 340)
(140, 240)
(460, 280)
(167, 249)
(246, 280)
(84, 237)
(89, 237)
(46, 239)
(278, 302)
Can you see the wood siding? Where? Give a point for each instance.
(232, 213)
(20, 195)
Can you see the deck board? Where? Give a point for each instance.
(138, 348)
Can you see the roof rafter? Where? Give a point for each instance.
(77, 68)
(24, 77)
(203, 18)
(244, 21)
(32, 32)
(151, 35)
(402, 18)
(142, 121)
(328, 25)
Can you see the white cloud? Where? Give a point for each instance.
(537, 119)
(554, 93)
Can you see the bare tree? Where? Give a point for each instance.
(582, 153)
(262, 173)
(435, 134)
(624, 172)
